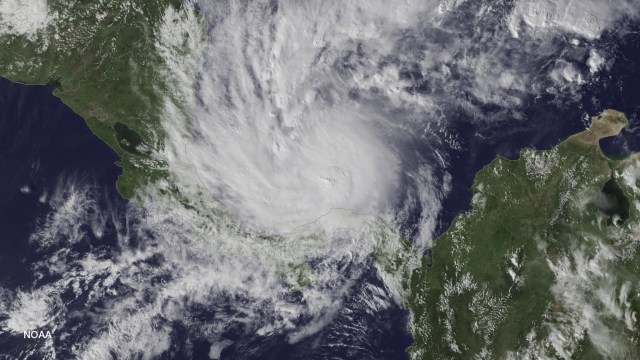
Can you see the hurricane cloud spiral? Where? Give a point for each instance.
(305, 141)
(294, 109)
(283, 131)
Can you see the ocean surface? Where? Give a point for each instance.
(622, 92)
(43, 142)
(550, 121)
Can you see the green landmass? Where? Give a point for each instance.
(544, 266)
(101, 57)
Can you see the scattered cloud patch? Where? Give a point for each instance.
(584, 18)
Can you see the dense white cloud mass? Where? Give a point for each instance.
(292, 109)
(293, 117)
(162, 269)
(303, 135)
(24, 17)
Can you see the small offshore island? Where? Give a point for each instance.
(545, 265)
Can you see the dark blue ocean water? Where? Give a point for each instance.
(41, 142)
(550, 121)
(621, 91)
(41, 139)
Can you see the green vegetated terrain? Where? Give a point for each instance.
(101, 56)
(546, 263)
(544, 266)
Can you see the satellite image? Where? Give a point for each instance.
(319, 179)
